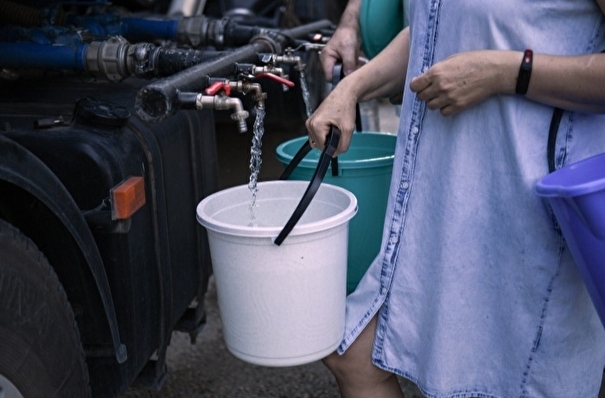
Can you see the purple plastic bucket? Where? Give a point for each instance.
(576, 194)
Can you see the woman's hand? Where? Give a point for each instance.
(462, 80)
(345, 43)
(338, 110)
(345, 46)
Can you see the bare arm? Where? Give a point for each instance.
(345, 43)
(572, 83)
(460, 81)
(383, 76)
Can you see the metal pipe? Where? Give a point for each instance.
(156, 101)
(246, 87)
(239, 115)
(217, 102)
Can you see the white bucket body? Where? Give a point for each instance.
(279, 305)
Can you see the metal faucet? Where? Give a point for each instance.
(246, 87)
(217, 98)
(289, 59)
(251, 71)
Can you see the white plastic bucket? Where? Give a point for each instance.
(279, 305)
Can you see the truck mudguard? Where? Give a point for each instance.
(24, 170)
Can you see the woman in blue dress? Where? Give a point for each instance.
(474, 293)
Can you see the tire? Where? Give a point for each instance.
(42, 355)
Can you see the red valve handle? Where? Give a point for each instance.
(215, 87)
(277, 78)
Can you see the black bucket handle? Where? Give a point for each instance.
(326, 158)
(337, 75)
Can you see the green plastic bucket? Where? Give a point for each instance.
(365, 170)
(379, 22)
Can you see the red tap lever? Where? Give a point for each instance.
(215, 87)
(277, 78)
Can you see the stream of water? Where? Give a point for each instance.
(255, 158)
(305, 93)
(257, 141)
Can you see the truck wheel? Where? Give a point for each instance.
(41, 353)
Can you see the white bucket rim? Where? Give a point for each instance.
(299, 229)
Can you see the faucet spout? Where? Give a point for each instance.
(290, 59)
(223, 102)
(246, 87)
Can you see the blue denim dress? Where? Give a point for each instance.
(476, 293)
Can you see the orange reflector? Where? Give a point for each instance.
(127, 197)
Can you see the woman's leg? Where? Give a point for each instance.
(355, 373)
